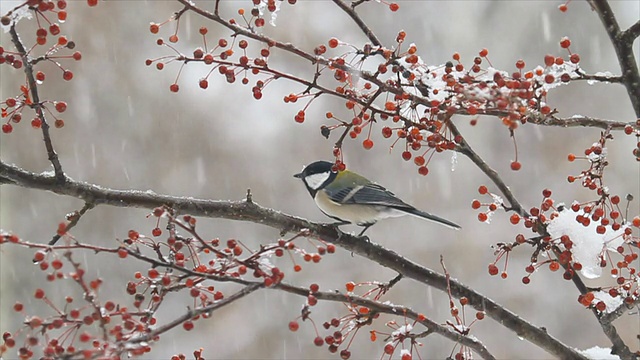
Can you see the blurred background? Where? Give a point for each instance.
(126, 130)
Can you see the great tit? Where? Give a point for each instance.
(352, 199)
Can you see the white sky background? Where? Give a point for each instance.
(124, 129)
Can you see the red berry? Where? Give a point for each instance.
(67, 75)
(483, 53)
(367, 144)
(39, 294)
(394, 7)
(562, 7)
(482, 190)
(7, 128)
(36, 123)
(318, 341)
(493, 269)
(174, 87)
(293, 326)
(565, 42)
(56, 264)
(515, 166)
(188, 325)
(515, 219)
(406, 155)
(475, 204)
(61, 106)
(18, 307)
(574, 58)
(423, 170)
(549, 60)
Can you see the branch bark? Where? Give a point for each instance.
(623, 46)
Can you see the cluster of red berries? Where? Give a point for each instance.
(14, 106)
(74, 321)
(222, 60)
(605, 212)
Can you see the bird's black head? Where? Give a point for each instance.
(317, 175)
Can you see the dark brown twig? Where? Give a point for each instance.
(623, 45)
(465, 149)
(73, 221)
(350, 10)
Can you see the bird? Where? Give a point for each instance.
(351, 198)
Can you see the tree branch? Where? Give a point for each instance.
(36, 105)
(465, 149)
(350, 10)
(623, 45)
(251, 211)
(632, 32)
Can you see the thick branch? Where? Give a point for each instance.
(250, 211)
(632, 32)
(623, 45)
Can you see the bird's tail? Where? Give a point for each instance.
(433, 218)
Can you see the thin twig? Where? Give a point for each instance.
(465, 149)
(74, 221)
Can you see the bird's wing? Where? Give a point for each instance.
(370, 194)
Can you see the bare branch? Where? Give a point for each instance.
(632, 32)
(350, 10)
(73, 221)
(623, 45)
(465, 149)
(619, 311)
(583, 121)
(615, 79)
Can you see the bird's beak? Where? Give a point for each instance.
(299, 175)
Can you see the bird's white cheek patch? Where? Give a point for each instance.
(316, 180)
